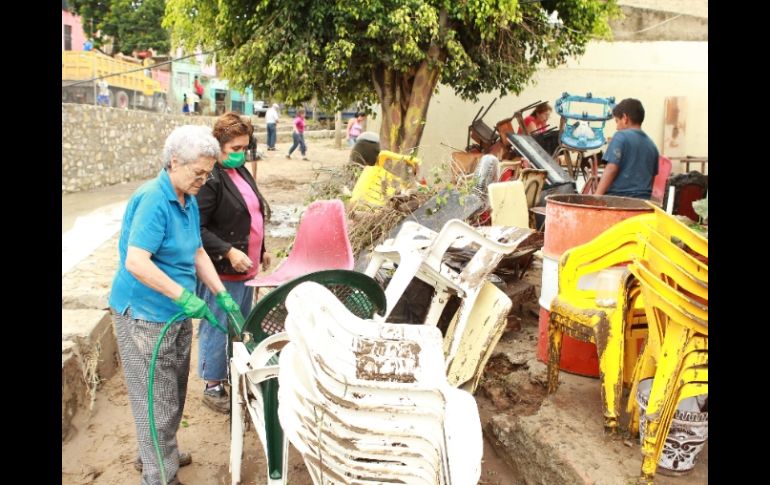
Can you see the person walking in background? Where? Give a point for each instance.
(103, 98)
(298, 135)
(185, 105)
(355, 127)
(271, 120)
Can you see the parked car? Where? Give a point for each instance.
(260, 108)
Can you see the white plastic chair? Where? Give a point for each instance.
(418, 252)
(247, 373)
(368, 402)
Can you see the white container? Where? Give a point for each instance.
(687, 435)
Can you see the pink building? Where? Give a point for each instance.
(163, 77)
(72, 36)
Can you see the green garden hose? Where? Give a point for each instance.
(151, 382)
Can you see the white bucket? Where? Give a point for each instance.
(687, 435)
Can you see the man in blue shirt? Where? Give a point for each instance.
(631, 157)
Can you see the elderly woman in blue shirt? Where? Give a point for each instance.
(161, 257)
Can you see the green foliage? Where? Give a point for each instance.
(128, 24)
(299, 49)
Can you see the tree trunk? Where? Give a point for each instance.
(338, 129)
(405, 97)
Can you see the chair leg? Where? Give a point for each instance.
(663, 390)
(437, 305)
(236, 426)
(555, 336)
(274, 434)
(611, 366)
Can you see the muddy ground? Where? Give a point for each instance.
(102, 446)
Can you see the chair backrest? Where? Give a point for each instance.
(402, 166)
(482, 133)
(374, 186)
(360, 294)
(660, 181)
(372, 383)
(671, 227)
(533, 180)
(322, 238)
(509, 170)
(508, 202)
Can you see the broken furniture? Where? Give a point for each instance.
(682, 368)
(392, 173)
(418, 252)
(674, 282)
(538, 158)
(588, 315)
(508, 204)
(671, 284)
(368, 402)
(480, 132)
(692, 160)
(254, 363)
(688, 187)
(321, 243)
(660, 182)
(580, 132)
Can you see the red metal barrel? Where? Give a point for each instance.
(572, 220)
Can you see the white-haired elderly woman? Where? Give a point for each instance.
(160, 256)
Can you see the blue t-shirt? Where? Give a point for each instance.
(156, 222)
(637, 159)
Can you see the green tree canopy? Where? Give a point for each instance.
(128, 24)
(389, 51)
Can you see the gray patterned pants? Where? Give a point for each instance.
(136, 341)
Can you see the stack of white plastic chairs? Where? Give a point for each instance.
(367, 402)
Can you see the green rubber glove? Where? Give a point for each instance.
(232, 309)
(192, 306)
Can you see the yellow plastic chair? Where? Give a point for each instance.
(670, 263)
(403, 167)
(681, 369)
(391, 173)
(577, 313)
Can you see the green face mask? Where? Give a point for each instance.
(235, 160)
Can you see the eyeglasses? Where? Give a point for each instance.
(205, 176)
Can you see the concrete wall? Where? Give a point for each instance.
(105, 146)
(648, 71)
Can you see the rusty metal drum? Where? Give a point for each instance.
(572, 220)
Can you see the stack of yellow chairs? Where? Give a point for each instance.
(673, 277)
(579, 314)
(663, 297)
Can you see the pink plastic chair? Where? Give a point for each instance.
(659, 182)
(322, 243)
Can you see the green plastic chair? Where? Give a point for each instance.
(360, 294)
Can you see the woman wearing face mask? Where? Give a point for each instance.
(233, 215)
